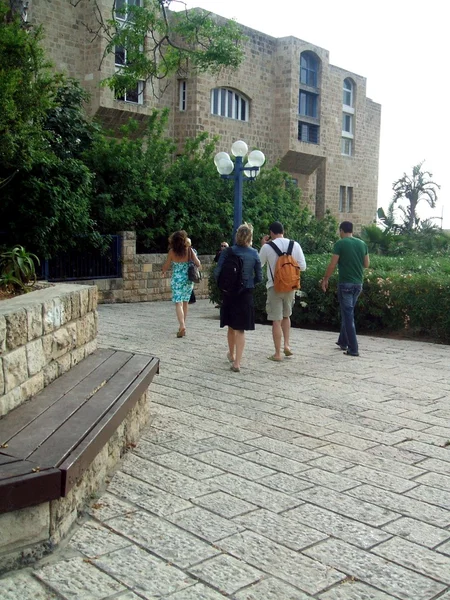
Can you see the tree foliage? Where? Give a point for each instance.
(160, 43)
(414, 188)
(26, 93)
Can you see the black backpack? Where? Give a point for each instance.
(230, 280)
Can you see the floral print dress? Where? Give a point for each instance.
(181, 286)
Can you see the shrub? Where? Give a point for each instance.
(409, 295)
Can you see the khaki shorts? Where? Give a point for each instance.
(279, 305)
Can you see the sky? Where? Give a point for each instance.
(399, 46)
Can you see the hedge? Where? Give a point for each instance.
(410, 295)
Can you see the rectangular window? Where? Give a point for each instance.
(308, 133)
(347, 146)
(134, 95)
(308, 76)
(182, 92)
(121, 9)
(307, 104)
(349, 205)
(341, 198)
(347, 123)
(345, 199)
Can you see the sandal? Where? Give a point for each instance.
(181, 332)
(274, 358)
(230, 358)
(288, 352)
(235, 369)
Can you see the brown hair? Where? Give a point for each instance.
(178, 242)
(244, 234)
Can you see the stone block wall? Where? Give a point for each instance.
(43, 334)
(142, 279)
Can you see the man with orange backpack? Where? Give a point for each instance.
(285, 260)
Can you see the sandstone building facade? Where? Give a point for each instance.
(286, 99)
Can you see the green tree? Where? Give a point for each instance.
(26, 93)
(413, 189)
(160, 43)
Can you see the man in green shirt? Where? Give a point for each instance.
(352, 257)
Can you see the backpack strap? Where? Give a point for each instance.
(290, 247)
(275, 247)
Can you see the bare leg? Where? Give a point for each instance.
(185, 311)
(231, 338)
(277, 335)
(286, 328)
(240, 344)
(180, 314)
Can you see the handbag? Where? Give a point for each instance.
(193, 272)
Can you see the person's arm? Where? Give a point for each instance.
(263, 252)
(331, 267)
(299, 256)
(366, 261)
(218, 268)
(195, 259)
(258, 270)
(166, 265)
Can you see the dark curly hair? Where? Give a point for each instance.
(178, 242)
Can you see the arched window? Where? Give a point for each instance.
(309, 69)
(229, 103)
(347, 93)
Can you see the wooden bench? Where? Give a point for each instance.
(47, 443)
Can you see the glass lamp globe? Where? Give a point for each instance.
(256, 158)
(248, 172)
(225, 166)
(239, 148)
(220, 155)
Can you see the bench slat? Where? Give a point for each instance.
(85, 452)
(28, 488)
(24, 443)
(22, 416)
(5, 459)
(55, 449)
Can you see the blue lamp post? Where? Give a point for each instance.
(237, 170)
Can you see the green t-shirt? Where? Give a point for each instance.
(351, 252)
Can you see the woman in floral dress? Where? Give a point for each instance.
(178, 259)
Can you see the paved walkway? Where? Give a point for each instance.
(323, 477)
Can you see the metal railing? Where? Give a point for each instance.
(85, 263)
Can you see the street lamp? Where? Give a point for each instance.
(250, 170)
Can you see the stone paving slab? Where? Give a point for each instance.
(319, 478)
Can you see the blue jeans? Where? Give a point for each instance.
(348, 294)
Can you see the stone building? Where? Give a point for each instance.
(286, 99)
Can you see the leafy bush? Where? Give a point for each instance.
(17, 268)
(409, 295)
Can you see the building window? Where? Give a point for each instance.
(345, 199)
(182, 94)
(347, 146)
(230, 104)
(122, 9)
(308, 133)
(307, 104)
(134, 95)
(347, 93)
(309, 69)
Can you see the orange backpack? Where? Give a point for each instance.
(287, 271)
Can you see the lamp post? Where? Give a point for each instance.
(250, 170)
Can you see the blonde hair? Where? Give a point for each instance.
(244, 234)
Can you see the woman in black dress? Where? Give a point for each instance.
(237, 311)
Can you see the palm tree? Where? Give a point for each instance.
(414, 189)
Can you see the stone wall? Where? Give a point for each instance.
(30, 533)
(43, 334)
(142, 279)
